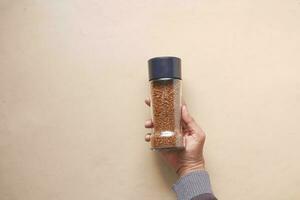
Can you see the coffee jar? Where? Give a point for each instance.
(165, 95)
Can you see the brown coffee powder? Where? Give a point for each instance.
(165, 99)
(165, 142)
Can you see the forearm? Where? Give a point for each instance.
(194, 186)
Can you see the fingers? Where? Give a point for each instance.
(147, 101)
(148, 123)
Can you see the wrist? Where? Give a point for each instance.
(186, 169)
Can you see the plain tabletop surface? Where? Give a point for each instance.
(73, 78)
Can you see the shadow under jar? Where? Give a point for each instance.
(165, 95)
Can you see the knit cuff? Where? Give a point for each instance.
(192, 184)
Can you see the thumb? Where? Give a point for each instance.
(189, 121)
(186, 117)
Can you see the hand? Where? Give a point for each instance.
(191, 158)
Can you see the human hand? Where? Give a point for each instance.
(191, 158)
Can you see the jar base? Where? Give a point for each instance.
(156, 149)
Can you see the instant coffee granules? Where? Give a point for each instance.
(165, 89)
(165, 98)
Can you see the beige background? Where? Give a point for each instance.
(73, 77)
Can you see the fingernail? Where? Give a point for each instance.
(148, 137)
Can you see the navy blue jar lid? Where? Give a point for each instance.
(164, 67)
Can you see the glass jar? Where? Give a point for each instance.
(165, 96)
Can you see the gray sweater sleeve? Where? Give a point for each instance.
(194, 186)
